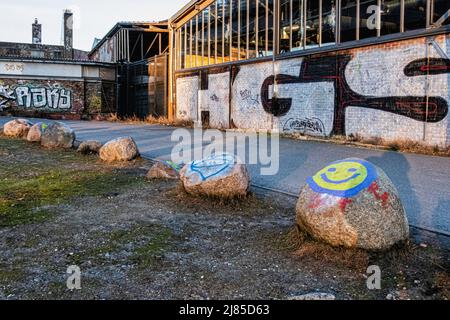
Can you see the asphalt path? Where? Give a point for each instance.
(423, 181)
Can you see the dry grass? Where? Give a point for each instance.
(113, 117)
(401, 145)
(442, 282)
(407, 145)
(307, 248)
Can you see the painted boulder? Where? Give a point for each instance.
(89, 147)
(164, 170)
(17, 128)
(120, 149)
(218, 176)
(352, 203)
(35, 133)
(58, 135)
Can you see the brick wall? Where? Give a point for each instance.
(389, 91)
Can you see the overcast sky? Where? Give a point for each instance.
(92, 18)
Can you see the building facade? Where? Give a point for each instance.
(60, 89)
(369, 68)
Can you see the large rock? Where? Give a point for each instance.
(17, 128)
(218, 176)
(352, 203)
(89, 147)
(58, 135)
(164, 170)
(120, 149)
(35, 133)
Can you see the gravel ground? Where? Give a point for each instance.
(149, 240)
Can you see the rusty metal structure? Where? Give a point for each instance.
(140, 52)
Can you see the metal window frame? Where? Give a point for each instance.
(358, 18)
(122, 50)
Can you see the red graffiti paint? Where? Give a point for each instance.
(315, 203)
(344, 202)
(374, 189)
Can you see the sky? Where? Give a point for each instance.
(92, 18)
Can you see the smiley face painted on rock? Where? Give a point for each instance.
(344, 178)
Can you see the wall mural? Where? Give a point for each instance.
(373, 92)
(52, 97)
(332, 69)
(344, 178)
(213, 166)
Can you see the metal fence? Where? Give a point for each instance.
(142, 88)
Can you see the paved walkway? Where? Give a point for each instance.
(422, 181)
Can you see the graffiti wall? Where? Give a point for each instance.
(41, 95)
(395, 90)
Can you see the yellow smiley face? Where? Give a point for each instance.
(343, 178)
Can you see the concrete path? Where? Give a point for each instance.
(422, 181)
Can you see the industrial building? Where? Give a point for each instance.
(362, 68)
(140, 51)
(54, 81)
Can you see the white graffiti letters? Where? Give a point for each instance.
(40, 97)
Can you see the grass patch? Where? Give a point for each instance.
(143, 246)
(32, 178)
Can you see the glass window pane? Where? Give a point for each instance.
(182, 47)
(262, 28)
(312, 23)
(220, 30)
(206, 36)
(415, 14)
(252, 25)
(348, 20)
(368, 19)
(194, 41)
(285, 26)
(235, 21)
(212, 34)
(328, 22)
(390, 16)
(298, 24)
(189, 59)
(227, 30)
(440, 8)
(270, 28)
(200, 39)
